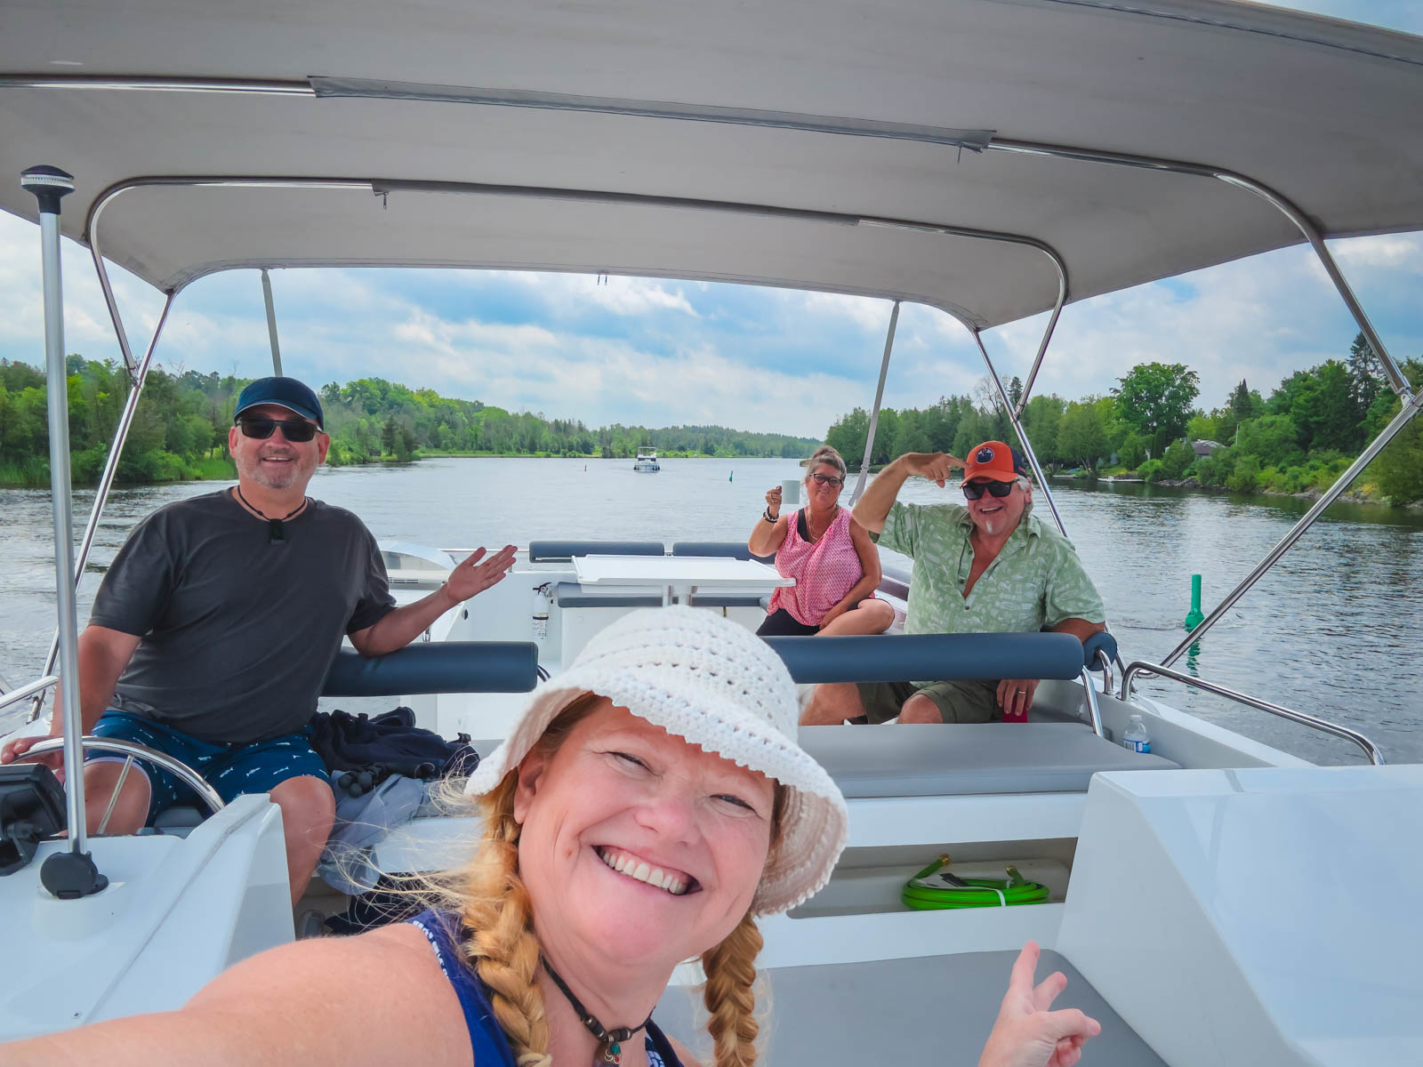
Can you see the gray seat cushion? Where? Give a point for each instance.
(931, 1010)
(573, 595)
(919, 760)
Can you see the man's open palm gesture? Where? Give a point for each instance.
(472, 577)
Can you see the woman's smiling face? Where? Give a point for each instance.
(637, 845)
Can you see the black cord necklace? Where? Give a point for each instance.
(276, 532)
(610, 1049)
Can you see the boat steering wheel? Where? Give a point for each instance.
(130, 751)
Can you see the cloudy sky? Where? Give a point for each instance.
(659, 352)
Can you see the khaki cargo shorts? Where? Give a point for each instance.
(971, 701)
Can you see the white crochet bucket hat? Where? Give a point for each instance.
(719, 686)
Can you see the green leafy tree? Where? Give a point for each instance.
(1132, 452)
(1176, 460)
(1081, 436)
(1156, 398)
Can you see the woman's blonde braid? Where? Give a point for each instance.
(502, 946)
(730, 995)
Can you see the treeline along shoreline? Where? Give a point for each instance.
(179, 430)
(1296, 441)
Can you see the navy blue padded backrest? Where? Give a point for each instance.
(440, 667)
(944, 657)
(563, 551)
(722, 549)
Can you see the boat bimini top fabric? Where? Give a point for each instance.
(820, 144)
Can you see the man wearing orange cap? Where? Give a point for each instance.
(986, 566)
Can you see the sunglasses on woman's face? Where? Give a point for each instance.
(298, 431)
(974, 490)
(828, 479)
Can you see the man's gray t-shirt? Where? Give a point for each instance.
(237, 633)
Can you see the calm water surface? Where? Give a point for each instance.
(1334, 630)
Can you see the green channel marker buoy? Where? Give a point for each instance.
(731, 477)
(1195, 616)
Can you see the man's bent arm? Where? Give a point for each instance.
(873, 507)
(470, 577)
(398, 628)
(1079, 628)
(103, 655)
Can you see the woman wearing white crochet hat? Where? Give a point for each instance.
(649, 804)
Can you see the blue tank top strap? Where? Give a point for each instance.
(659, 1049)
(486, 1037)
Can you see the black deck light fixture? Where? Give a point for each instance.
(72, 874)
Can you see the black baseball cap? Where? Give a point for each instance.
(284, 392)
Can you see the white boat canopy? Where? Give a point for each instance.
(808, 143)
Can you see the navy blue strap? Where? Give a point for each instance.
(657, 1042)
(486, 1037)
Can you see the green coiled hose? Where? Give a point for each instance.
(974, 892)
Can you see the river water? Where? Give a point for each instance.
(1335, 630)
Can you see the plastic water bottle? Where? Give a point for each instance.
(1135, 737)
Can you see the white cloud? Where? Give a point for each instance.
(616, 293)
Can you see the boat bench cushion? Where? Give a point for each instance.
(719, 549)
(727, 600)
(921, 760)
(883, 658)
(573, 595)
(563, 551)
(927, 1009)
(437, 667)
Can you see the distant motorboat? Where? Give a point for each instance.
(646, 462)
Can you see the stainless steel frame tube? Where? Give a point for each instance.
(271, 323)
(37, 686)
(1018, 428)
(1409, 410)
(874, 412)
(1323, 725)
(61, 509)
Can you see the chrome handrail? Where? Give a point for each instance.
(1094, 709)
(1323, 725)
(206, 793)
(14, 696)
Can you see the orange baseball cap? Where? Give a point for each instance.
(994, 460)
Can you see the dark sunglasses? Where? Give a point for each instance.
(297, 431)
(828, 479)
(974, 490)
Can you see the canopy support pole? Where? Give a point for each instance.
(1038, 474)
(1397, 379)
(874, 413)
(106, 481)
(49, 185)
(1410, 408)
(271, 323)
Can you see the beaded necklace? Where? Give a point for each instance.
(610, 1047)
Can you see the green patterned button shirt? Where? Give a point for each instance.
(1037, 579)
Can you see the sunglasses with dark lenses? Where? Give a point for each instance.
(974, 490)
(828, 479)
(295, 430)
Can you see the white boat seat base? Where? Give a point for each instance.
(921, 760)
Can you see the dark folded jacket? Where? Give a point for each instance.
(392, 743)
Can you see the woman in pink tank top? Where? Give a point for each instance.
(831, 557)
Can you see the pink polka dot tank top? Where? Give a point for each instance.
(824, 570)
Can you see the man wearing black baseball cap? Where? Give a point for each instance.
(215, 626)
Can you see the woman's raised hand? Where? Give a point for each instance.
(1028, 1033)
(773, 501)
